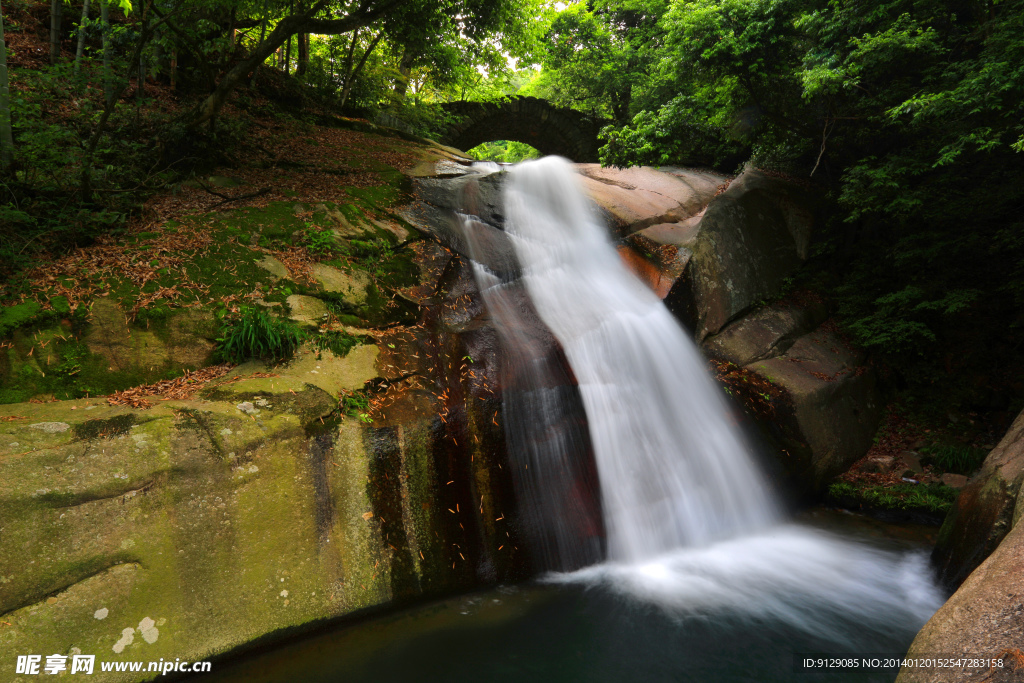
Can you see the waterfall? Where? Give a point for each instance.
(674, 472)
(690, 523)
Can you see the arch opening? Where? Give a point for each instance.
(504, 151)
(529, 120)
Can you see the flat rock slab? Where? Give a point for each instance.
(274, 267)
(638, 197)
(350, 285)
(332, 373)
(307, 310)
(765, 333)
(440, 168)
(679, 234)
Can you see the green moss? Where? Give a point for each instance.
(68, 370)
(240, 278)
(60, 305)
(381, 195)
(13, 317)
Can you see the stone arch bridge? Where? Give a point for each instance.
(537, 122)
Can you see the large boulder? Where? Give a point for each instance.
(827, 406)
(751, 238)
(988, 507)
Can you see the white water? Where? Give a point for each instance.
(690, 524)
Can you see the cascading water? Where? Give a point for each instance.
(547, 442)
(690, 524)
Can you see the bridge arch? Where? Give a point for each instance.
(550, 129)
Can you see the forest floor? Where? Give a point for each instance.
(300, 212)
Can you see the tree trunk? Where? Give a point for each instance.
(404, 69)
(159, 57)
(94, 139)
(80, 50)
(362, 62)
(331, 49)
(108, 74)
(6, 138)
(288, 45)
(263, 34)
(56, 8)
(348, 60)
(303, 45)
(140, 90)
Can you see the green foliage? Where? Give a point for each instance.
(504, 151)
(599, 56)
(679, 132)
(321, 241)
(13, 317)
(936, 498)
(908, 115)
(252, 333)
(339, 343)
(356, 404)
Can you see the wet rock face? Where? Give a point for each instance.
(988, 507)
(197, 526)
(984, 619)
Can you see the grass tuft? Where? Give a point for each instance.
(252, 333)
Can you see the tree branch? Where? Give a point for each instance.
(285, 29)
